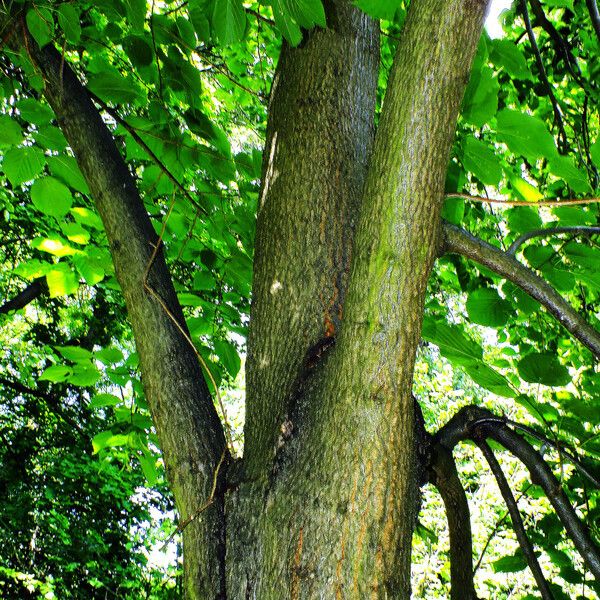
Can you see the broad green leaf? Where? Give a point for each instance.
(485, 307)
(505, 53)
(23, 164)
(307, 13)
(65, 168)
(10, 132)
(595, 152)
(40, 24)
(113, 87)
(74, 353)
(100, 440)
(564, 167)
(68, 19)
(481, 97)
(522, 218)
(87, 217)
(525, 135)
(109, 356)
(136, 13)
(89, 268)
(51, 138)
(103, 400)
(525, 190)
(510, 564)
(75, 233)
(228, 21)
(489, 379)
(84, 375)
(55, 373)
(148, 464)
(284, 22)
(543, 368)
(452, 342)
(379, 9)
(61, 281)
(139, 50)
(186, 34)
(54, 245)
(480, 160)
(34, 111)
(585, 256)
(51, 197)
(228, 355)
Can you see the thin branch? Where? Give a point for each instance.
(558, 117)
(575, 229)
(594, 16)
(444, 476)
(549, 202)
(461, 242)
(517, 521)
(34, 290)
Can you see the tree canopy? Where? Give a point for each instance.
(187, 99)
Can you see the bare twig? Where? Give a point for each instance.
(558, 116)
(517, 521)
(549, 202)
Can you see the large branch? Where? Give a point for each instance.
(476, 423)
(594, 15)
(190, 433)
(443, 475)
(459, 241)
(33, 291)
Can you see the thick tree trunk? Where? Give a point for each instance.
(326, 503)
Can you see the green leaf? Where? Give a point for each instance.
(54, 245)
(228, 355)
(480, 160)
(55, 373)
(10, 132)
(74, 353)
(228, 21)
(481, 97)
(136, 13)
(543, 368)
(51, 138)
(84, 375)
(148, 464)
(506, 54)
(525, 135)
(23, 164)
(485, 307)
(35, 112)
(525, 190)
(307, 13)
(595, 152)
(510, 564)
(113, 87)
(40, 25)
(564, 167)
(68, 19)
(75, 233)
(489, 379)
(51, 197)
(110, 355)
(451, 341)
(89, 268)
(87, 217)
(379, 9)
(139, 50)
(103, 400)
(522, 218)
(284, 22)
(65, 168)
(61, 281)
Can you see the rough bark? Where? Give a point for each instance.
(336, 515)
(190, 433)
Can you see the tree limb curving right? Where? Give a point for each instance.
(459, 241)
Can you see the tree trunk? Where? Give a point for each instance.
(324, 502)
